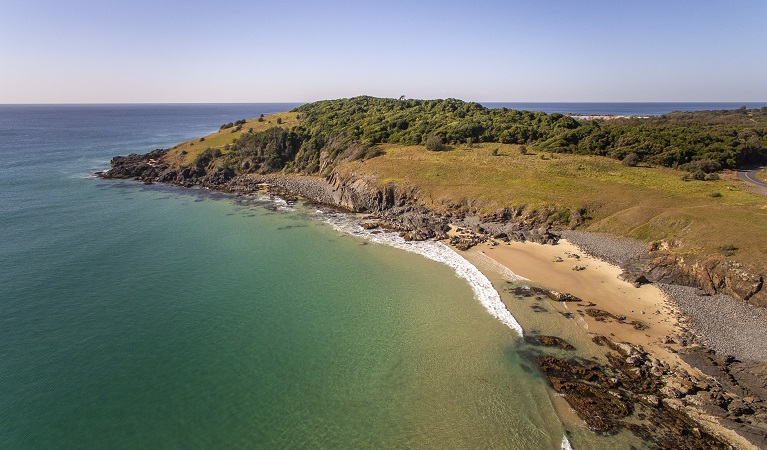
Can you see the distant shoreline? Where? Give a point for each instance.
(629, 109)
(603, 117)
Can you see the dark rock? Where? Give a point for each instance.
(542, 235)
(525, 291)
(144, 167)
(623, 394)
(599, 314)
(549, 341)
(738, 408)
(562, 296)
(576, 381)
(466, 242)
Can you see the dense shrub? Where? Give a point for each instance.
(203, 159)
(435, 143)
(631, 160)
(729, 138)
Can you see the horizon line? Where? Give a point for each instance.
(313, 101)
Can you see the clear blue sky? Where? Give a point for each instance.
(83, 51)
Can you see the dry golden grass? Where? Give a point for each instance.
(642, 202)
(185, 153)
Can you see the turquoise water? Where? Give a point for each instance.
(141, 316)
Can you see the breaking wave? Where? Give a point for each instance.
(483, 289)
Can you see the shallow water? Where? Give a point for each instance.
(151, 316)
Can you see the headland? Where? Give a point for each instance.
(618, 245)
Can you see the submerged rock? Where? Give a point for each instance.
(549, 341)
(625, 394)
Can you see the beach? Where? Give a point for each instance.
(664, 325)
(599, 286)
(619, 356)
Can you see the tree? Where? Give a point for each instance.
(435, 142)
(631, 160)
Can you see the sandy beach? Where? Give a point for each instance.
(599, 286)
(645, 317)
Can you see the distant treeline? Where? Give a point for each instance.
(345, 129)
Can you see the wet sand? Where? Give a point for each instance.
(599, 286)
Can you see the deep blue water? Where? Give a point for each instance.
(621, 109)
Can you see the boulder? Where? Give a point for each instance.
(562, 296)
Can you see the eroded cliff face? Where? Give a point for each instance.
(401, 207)
(711, 274)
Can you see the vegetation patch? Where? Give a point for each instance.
(727, 250)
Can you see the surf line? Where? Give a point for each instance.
(483, 289)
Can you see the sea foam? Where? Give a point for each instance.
(483, 289)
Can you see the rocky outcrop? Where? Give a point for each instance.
(549, 341)
(711, 274)
(656, 402)
(145, 167)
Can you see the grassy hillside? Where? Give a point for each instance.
(704, 217)
(315, 137)
(185, 153)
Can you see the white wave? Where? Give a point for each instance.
(566, 444)
(483, 289)
(281, 204)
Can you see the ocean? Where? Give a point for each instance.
(622, 108)
(150, 316)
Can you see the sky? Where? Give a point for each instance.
(83, 51)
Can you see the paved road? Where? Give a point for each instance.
(749, 176)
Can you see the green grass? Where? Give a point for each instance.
(642, 202)
(185, 153)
